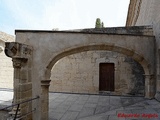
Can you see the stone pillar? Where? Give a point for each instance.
(21, 55)
(17, 64)
(45, 99)
(149, 86)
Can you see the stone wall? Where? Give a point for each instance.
(6, 67)
(146, 13)
(79, 73)
(51, 46)
(6, 74)
(149, 15)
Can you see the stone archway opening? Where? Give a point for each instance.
(79, 73)
(129, 74)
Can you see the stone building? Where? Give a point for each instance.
(146, 12)
(125, 58)
(6, 68)
(120, 49)
(79, 73)
(70, 74)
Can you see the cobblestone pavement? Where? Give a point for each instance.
(94, 107)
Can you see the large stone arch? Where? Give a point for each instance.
(109, 47)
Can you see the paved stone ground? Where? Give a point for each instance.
(96, 107)
(6, 97)
(92, 107)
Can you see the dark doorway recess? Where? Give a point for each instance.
(106, 77)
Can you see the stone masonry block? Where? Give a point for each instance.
(25, 87)
(23, 74)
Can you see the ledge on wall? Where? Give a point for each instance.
(131, 30)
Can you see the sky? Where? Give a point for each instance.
(60, 14)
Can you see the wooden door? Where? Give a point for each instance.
(106, 78)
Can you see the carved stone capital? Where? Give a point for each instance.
(17, 50)
(18, 62)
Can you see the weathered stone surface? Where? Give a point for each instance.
(77, 74)
(59, 44)
(135, 42)
(145, 12)
(70, 115)
(157, 96)
(136, 30)
(17, 50)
